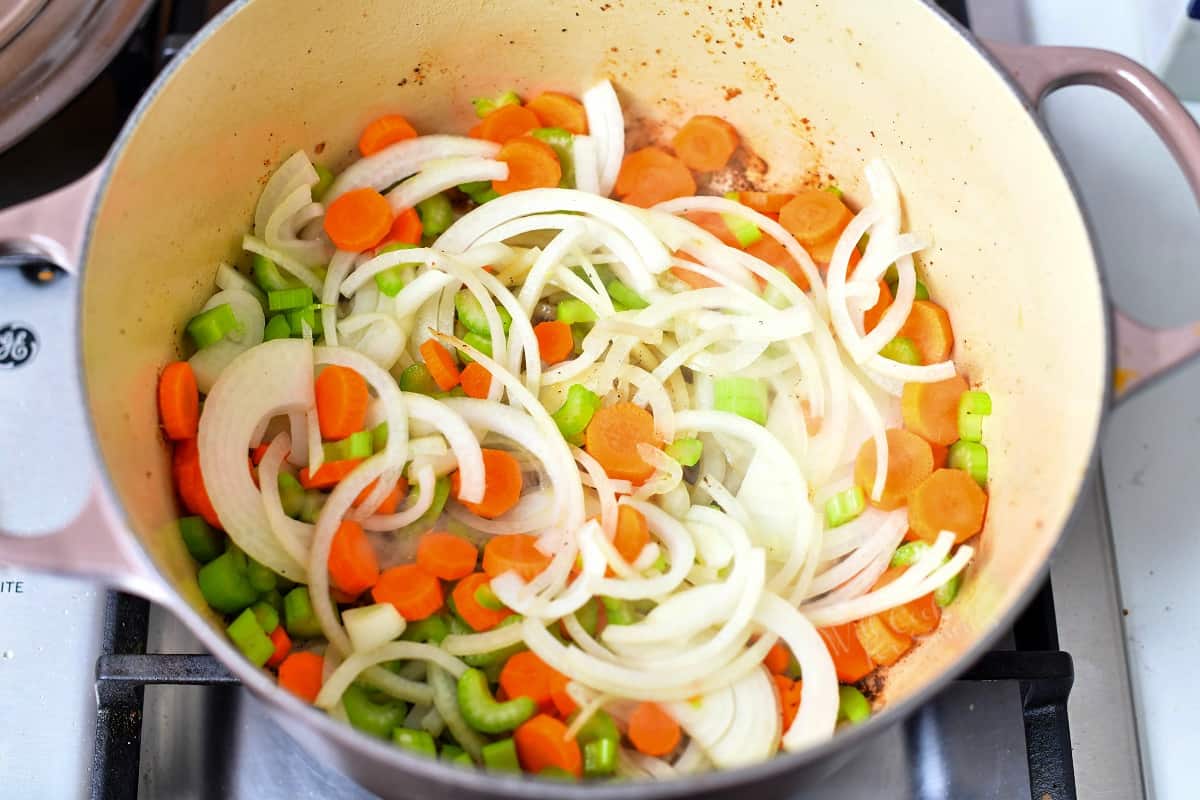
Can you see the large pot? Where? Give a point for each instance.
(816, 88)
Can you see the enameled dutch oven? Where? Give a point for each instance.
(816, 89)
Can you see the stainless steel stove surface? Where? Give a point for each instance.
(1001, 734)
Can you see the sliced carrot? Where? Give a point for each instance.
(329, 475)
(502, 484)
(507, 122)
(633, 533)
(476, 380)
(283, 645)
(185, 464)
(558, 110)
(179, 401)
(387, 130)
(875, 313)
(814, 215)
(651, 175)
(256, 455)
(358, 220)
(764, 202)
(353, 565)
(479, 617)
(775, 254)
(910, 461)
(342, 399)
(652, 730)
(914, 618)
(517, 552)
(850, 660)
(928, 325)
(554, 340)
(414, 592)
(948, 500)
(612, 438)
(883, 645)
(441, 364)
(930, 410)
(446, 556)
(391, 500)
(778, 658)
(526, 675)
(542, 743)
(532, 164)
(300, 674)
(790, 692)
(715, 224)
(563, 703)
(940, 452)
(693, 279)
(705, 143)
(406, 228)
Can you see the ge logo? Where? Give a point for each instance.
(18, 345)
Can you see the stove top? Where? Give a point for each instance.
(164, 720)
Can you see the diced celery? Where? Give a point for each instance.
(250, 638)
(277, 328)
(844, 506)
(620, 293)
(287, 299)
(746, 397)
(745, 231)
(356, 445)
(973, 406)
(572, 311)
(211, 326)
(686, 451)
(972, 457)
(486, 105)
(901, 349)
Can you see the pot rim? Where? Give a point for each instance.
(489, 783)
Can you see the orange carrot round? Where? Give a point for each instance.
(179, 401)
(771, 251)
(479, 617)
(557, 110)
(790, 692)
(875, 313)
(414, 592)
(612, 438)
(778, 658)
(300, 674)
(948, 500)
(814, 215)
(910, 461)
(388, 129)
(329, 475)
(517, 552)
(652, 730)
(651, 175)
(532, 164)
(563, 702)
(715, 224)
(441, 364)
(554, 340)
(914, 618)
(883, 645)
(358, 220)
(342, 399)
(476, 380)
(705, 143)
(542, 743)
(353, 565)
(502, 484)
(764, 202)
(526, 675)
(930, 410)
(406, 228)
(391, 501)
(507, 122)
(283, 646)
(928, 325)
(446, 556)
(185, 464)
(633, 533)
(850, 660)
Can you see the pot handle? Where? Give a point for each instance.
(1144, 353)
(94, 544)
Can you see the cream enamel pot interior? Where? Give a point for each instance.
(816, 89)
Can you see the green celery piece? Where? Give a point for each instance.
(299, 618)
(922, 292)
(572, 311)
(844, 506)
(746, 397)
(416, 378)
(277, 328)
(853, 706)
(970, 456)
(373, 712)
(973, 406)
(481, 343)
(379, 437)
(291, 494)
(432, 629)
(944, 595)
(324, 181)
(745, 231)
(250, 638)
(436, 215)
(903, 350)
(487, 598)
(486, 714)
(834, 190)
(287, 299)
(686, 451)
(600, 758)
(203, 541)
(470, 314)
(909, 553)
(589, 616)
(211, 326)
(562, 142)
(576, 412)
(357, 445)
(618, 611)
(309, 315)
(599, 726)
(267, 616)
(441, 493)
(486, 105)
(224, 583)
(620, 293)
(268, 277)
(262, 578)
(416, 741)
(501, 756)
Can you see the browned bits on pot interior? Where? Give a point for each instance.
(320, 148)
(731, 92)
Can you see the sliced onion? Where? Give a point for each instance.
(587, 169)
(606, 123)
(681, 553)
(332, 690)
(441, 174)
(293, 536)
(395, 162)
(294, 173)
(289, 264)
(817, 715)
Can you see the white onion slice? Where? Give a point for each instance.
(395, 162)
(344, 675)
(442, 174)
(606, 124)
